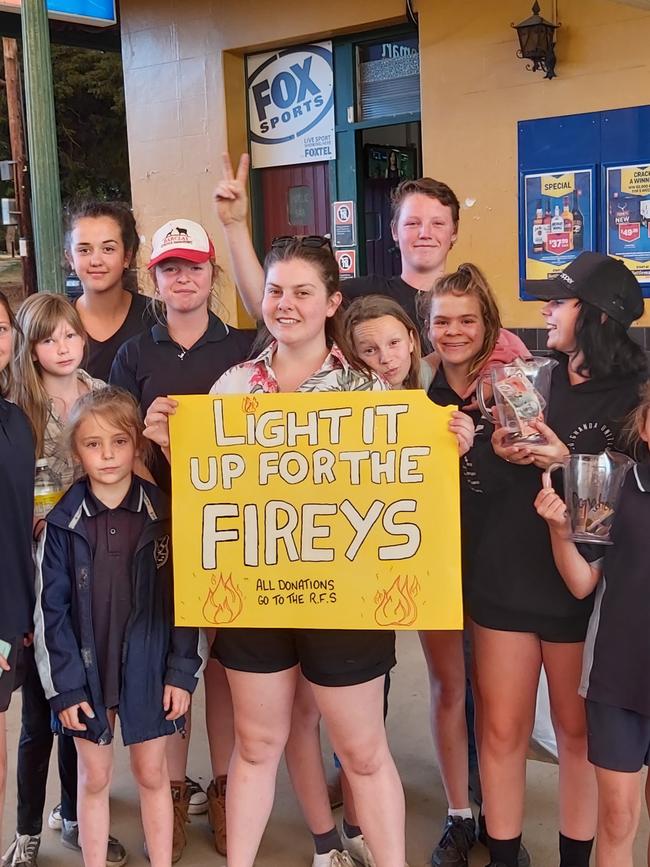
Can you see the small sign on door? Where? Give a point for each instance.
(343, 222)
(347, 262)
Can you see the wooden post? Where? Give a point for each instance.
(17, 141)
(42, 145)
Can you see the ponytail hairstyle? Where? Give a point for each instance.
(322, 259)
(470, 281)
(6, 374)
(122, 214)
(38, 316)
(369, 307)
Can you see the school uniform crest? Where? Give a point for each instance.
(161, 551)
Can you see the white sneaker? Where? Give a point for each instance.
(198, 798)
(55, 820)
(358, 849)
(332, 859)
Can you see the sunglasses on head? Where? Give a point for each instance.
(314, 241)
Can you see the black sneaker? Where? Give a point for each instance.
(457, 839)
(523, 859)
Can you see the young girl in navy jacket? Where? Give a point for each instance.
(615, 681)
(105, 640)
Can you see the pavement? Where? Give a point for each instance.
(287, 841)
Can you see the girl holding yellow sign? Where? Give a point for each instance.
(306, 352)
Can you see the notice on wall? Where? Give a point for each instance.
(343, 222)
(627, 217)
(347, 262)
(291, 105)
(316, 510)
(558, 221)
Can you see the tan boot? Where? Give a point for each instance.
(217, 812)
(181, 801)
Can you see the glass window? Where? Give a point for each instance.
(388, 77)
(301, 206)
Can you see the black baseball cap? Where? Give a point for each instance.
(600, 280)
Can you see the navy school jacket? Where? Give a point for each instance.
(155, 652)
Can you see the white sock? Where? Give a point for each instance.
(464, 812)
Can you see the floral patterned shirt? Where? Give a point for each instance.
(335, 374)
(59, 458)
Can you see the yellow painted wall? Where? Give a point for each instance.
(186, 103)
(474, 90)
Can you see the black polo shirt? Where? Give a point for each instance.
(113, 535)
(141, 316)
(616, 667)
(16, 517)
(152, 364)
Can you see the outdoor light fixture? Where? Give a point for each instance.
(537, 42)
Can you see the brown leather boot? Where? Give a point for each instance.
(217, 812)
(181, 801)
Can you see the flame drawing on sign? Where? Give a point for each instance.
(396, 606)
(224, 602)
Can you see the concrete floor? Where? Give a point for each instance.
(287, 842)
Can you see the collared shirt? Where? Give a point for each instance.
(152, 364)
(616, 659)
(335, 374)
(59, 457)
(113, 536)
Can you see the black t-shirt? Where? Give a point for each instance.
(474, 503)
(617, 651)
(152, 364)
(394, 287)
(514, 568)
(17, 464)
(102, 352)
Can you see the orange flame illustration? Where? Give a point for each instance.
(249, 404)
(224, 602)
(396, 606)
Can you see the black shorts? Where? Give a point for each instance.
(555, 630)
(13, 679)
(327, 657)
(617, 739)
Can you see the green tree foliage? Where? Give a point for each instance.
(91, 123)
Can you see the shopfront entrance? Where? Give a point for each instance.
(378, 144)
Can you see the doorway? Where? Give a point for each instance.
(389, 155)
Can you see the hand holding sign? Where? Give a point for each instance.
(231, 194)
(316, 510)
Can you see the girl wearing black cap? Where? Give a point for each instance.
(523, 615)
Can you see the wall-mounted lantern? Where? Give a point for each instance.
(537, 42)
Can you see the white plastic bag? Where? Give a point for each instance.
(543, 743)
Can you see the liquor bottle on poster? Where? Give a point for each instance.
(567, 216)
(546, 224)
(538, 230)
(578, 223)
(557, 221)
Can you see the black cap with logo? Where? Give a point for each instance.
(600, 280)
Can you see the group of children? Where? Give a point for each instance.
(92, 635)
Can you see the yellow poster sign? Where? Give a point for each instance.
(323, 510)
(558, 186)
(635, 180)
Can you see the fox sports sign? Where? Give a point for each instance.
(291, 105)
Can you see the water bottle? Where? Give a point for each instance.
(48, 489)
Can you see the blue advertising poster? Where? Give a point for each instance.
(558, 220)
(99, 12)
(626, 213)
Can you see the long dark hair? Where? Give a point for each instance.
(122, 214)
(322, 259)
(5, 375)
(605, 346)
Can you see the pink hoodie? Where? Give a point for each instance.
(508, 347)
